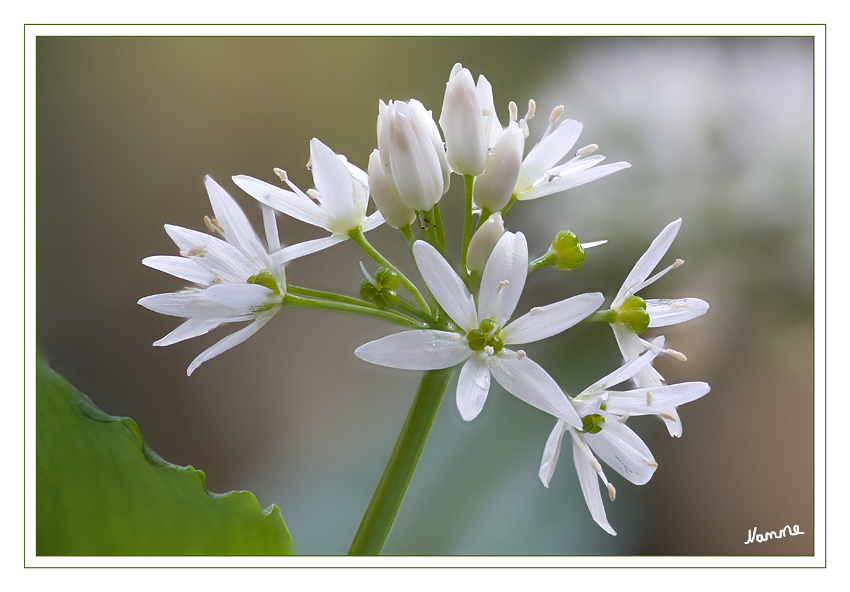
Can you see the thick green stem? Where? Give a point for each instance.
(357, 236)
(386, 500)
(386, 315)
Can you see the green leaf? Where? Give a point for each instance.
(101, 491)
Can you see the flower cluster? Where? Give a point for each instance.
(464, 319)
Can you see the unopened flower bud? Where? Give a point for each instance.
(397, 213)
(484, 241)
(567, 252)
(412, 153)
(381, 289)
(493, 188)
(463, 125)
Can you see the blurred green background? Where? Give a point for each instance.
(718, 132)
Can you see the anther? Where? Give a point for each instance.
(513, 110)
(310, 164)
(612, 493)
(667, 415)
(520, 354)
(313, 194)
(455, 337)
(648, 398)
(556, 113)
(623, 418)
(502, 284)
(678, 262)
(488, 349)
(281, 174)
(213, 224)
(676, 354)
(217, 279)
(195, 251)
(589, 149)
(536, 310)
(651, 463)
(532, 108)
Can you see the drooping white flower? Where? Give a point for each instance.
(337, 204)
(236, 279)
(631, 315)
(605, 433)
(465, 122)
(482, 346)
(412, 153)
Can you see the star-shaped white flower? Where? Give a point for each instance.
(658, 313)
(482, 347)
(338, 203)
(236, 278)
(604, 431)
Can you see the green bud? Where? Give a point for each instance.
(264, 278)
(385, 298)
(367, 290)
(592, 424)
(489, 332)
(568, 253)
(386, 278)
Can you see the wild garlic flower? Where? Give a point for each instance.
(630, 315)
(394, 210)
(411, 153)
(337, 204)
(484, 334)
(605, 434)
(236, 278)
(484, 241)
(465, 121)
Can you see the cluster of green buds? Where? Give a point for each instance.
(381, 288)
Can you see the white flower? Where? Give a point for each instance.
(236, 278)
(465, 122)
(482, 346)
(484, 241)
(412, 153)
(493, 188)
(397, 213)
(338, 202)
(635, 314)
(605, 434)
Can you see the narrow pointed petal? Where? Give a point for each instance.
(187, 330)
(187, 303)
(416, 350)
(663, 397)
(551, 453)
(298, 206)
(306, 248)
(270, 227)
(631, 346)
(648, 261)
(547, 153)
(568, 181)
(237, 229)
(508, 262)
(228, 342)
(240, 297)
(673, 423)
(472, 387)
(445, 285)
(627, 370)
(373, 221)
(672, 312)
(552, 319)
(623, 451)
(334, 184)
(526, 380)
(216, 256)
(181, 267)
(589, 487)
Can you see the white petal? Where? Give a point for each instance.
(230, 341)
(187, 303)
(306, 248)
(241, 297)
(631, 346)
(550, 320)
(335, 186)
(673, 423)
(216, 256)
(237, 230)
(648, 261)
(627, 370)
(661, 398)
(568, 181)
(589, 487)
(551, 453)
(623, 451)
(526, 380)
(373, 221)
(270, 227)
(508, 262)
(299, 207)
(671, 312)
(180, 267)
(187, 330)
(472, 387)
(416, 350)
(445, 285)
(547, 153)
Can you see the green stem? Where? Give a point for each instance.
(508, 207)
(438, 227)
(386, 500)
(310, 293)
(467, 226)
(482, 217)
(408, 234)
(357, 236)
(386, 315)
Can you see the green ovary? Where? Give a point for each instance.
(592, 424)
(265, 279)
(632, 313)
(489, 332)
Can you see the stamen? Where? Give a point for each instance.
(536, 310)
(612, 493)
(313, 194)
(513, 110)
(195, 252)
(532, 108)
(520, 354)
(310, 164)
(488, 349)
(492, 332)
(651, 463)
(213, 224)
(593, 244)
(678, 262)
(676, 354)
(281, 174)
(455, 337)
(556, 114)
(648, 398)
(595, 464)
(667, 415)
(502, 284)
(623, 418)
(217, 279)
(589, 149)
